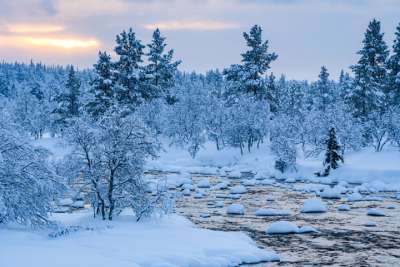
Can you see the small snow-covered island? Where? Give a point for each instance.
(199, 133)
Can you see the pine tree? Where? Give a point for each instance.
(370, 72)
(102, 86)
(394, 69)
(249, 76)
(129, 69)
(323, 93)
(68, 101)
(161, 70)
(332, 155)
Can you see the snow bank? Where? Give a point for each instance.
(172, 241)
(238, 189)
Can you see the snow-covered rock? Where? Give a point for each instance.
(221, 186)
(282, 227)
(204, 183)
(370, 224)
(219, 204)
(313, 206)
(235, 174)
(235, 209)
(238, 189)
(272, 212)
(234, 196)
(331, 193)
(391, 207)
(267, 182)
(199, 195)
(250, 182)
(343, 207)
(204, 215)
(270, 199)
(186, 192)
(188, 187)
(354, 197)
(307, 229)
(375, 212)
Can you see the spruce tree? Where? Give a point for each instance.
(161, 70)
(332, 154)
(323, 93)
(102, 86)
(249, 76)
(394, 69)
(129, 69)
(370, 73)
(68, 101)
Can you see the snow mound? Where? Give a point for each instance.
(204, 183)
(282, 227)
(313, 206)
(238, 189)
(235, 209)
(250, 182)
(343, 207)
(375, 212)
(272, 212)
(370, 224)
(354, 197)
(331, 193)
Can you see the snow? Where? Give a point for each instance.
(370, 224)
(313, 206)
(375, 212)
(343, 207)
(204, 183)
(170, 241)
(238, 189)
(282, 227)
(235, 209)
(331, 193)
(376, 171)
(272, 212)
(307, 229)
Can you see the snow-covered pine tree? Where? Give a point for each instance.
(129, 70)
(161, 70)
(249, 76)
(394, 70)
(69, 100)
(102, 86)
(370, 72)
(323, 94)
(332, 154)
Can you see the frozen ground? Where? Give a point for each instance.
(168, 242)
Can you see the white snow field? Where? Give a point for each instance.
(171, 241)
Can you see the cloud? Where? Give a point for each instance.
(29, 28)
(198, 25)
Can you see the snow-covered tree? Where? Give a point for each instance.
(27, 183)
(393, 66)
(112, 152)
(370, 72)
(68, 101)
(248, 77)
(332, 154)
(161, 69)
(102, 86)
(129, 70)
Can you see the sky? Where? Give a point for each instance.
(205, 34)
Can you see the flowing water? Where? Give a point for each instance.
(342, 240)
